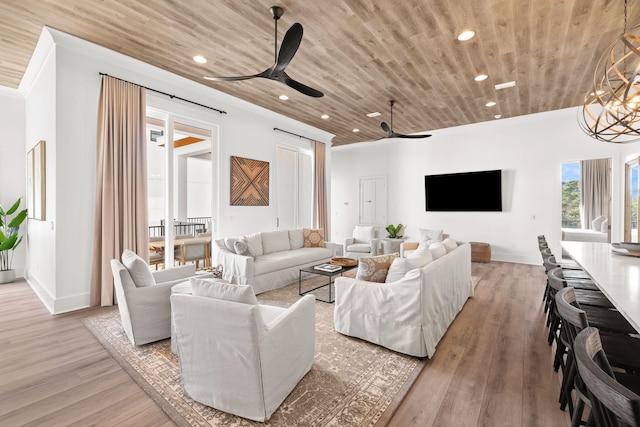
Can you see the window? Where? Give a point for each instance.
(571, 195)
(631, 202)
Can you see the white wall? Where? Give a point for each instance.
(529, 149)
(62, 92)
(13, 172)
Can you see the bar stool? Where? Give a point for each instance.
(614, 397)
(621, 349)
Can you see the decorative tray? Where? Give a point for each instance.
(344, 262)
(626, 248)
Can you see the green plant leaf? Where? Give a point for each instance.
(14, 208)
(18, 219)
(9, 243)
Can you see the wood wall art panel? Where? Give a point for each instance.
(249, 182)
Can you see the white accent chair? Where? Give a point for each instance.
(249, 356)
(143, 297)
(363, 242)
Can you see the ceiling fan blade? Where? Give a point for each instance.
(309, 91)
(385, 127)
(289, 47)
(229, 79)
(398, 135)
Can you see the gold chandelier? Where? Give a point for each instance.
(611, 110)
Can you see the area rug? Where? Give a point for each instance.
(352, 382)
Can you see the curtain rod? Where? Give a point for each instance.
(294, 134)
(166, 94)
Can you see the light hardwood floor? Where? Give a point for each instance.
(492, 368)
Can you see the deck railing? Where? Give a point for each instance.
(190, 226)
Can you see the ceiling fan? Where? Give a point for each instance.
(290, 44)
(389, 129)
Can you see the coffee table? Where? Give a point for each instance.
(329, 274)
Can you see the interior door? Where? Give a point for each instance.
(373, 201)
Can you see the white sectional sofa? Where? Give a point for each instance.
(409, 315)
(275, 258)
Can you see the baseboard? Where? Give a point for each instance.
(57, 305)
(519, 259)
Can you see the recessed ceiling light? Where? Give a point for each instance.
(505, 85)
(356, 130)
(376, 114)
(490, 104)
(324, 116)
(283, 97)
(466, 35)
(480, 77)
(200, 59)
(497, 116)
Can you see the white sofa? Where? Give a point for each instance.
(409, 315)
(275, 260)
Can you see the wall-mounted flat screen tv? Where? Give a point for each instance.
(464, 192)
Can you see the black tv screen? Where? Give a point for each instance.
(464, 192)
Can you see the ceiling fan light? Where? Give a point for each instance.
(466, 35)
(480, 77)
(490, 104)
(283, 97)
(200, 59)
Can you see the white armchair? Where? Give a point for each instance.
(363, 242)
(143, 297)
(248, 357)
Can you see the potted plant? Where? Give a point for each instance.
(394, 231)
(9, 239)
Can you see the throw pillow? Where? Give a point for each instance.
(420, 257)
(363, 233)
(425, 243)
(229, 243)
(255, 244)
(604, 227)
(437, 250)
(313, 238)
(435, 235)
(399, 267)
(296, 238)
(138, 269)
(375, 268)
(241, 247)
(219, 289)
(449, 244)
(597, 223)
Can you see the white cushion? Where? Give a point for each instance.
(363, 234)
(219, 289)
(435, 235)
(276, 261)
(363, 248)
(401, 266)
(449, 244)
(229, 243)
(437, 250)
(424, 243)
(296, 238)
(255, 244)
(241, 247)
(138, 269)
(275, 241)
(597, 223)
(604, 227)
(420, 257)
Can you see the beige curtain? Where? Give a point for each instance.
(320, 208)
(121, 220)
(595, 190)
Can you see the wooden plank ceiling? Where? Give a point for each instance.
(360, 53)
